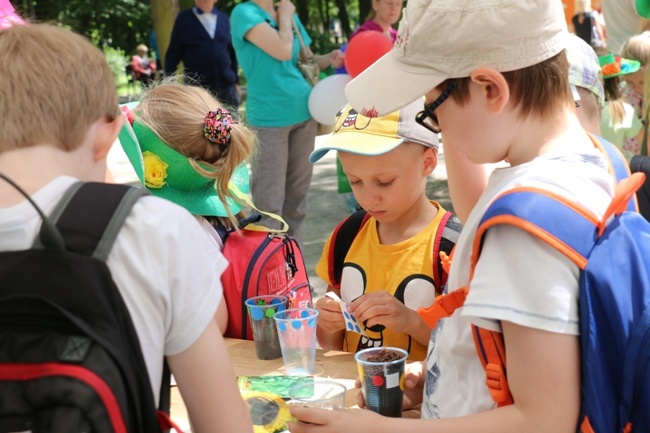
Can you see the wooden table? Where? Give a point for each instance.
(338, 366)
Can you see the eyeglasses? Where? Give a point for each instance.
(427, 117)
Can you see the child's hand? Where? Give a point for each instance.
(330, 318)
(286, 8)
(383, 308)
(333, 421)
(414, 376)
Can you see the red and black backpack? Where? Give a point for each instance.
(70, 359)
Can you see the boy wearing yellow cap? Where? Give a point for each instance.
(389, 271)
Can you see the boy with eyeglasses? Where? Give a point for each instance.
(495, 93)
(389, 271)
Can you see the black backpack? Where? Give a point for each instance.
(70, 359)
(641, 164)
(344, 234)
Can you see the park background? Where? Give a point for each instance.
(118, 26)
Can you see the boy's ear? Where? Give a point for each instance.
(107, 133)
(430, 159)
(494, 88)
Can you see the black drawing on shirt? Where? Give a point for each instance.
(415, 291)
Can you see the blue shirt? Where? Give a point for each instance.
(277, 91)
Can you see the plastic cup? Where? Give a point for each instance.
(324, 394)
(261, 310)
(297, 332)
(381, 371)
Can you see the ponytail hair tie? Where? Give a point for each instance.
(217, 126)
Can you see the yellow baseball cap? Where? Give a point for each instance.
(356, 133)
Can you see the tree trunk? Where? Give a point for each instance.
(324, 15)
(302, 8)
(163, 14)
(364, 10)
(345, 19)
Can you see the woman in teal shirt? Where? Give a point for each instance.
(276, 106)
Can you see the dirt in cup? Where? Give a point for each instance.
(379, 397)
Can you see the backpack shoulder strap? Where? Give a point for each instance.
(446, 237)
(90, 216)
(564, 226)
(619, 167)
(342, 239)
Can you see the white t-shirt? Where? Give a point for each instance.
(518, 278)
(165, 267)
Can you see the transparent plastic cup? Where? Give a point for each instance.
(324, 394)
(261, 310)
(381, 371)
(297, 334)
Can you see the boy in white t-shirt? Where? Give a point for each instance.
(495, 93)
(57, 130)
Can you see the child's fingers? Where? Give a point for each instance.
(310, 415)
(414, 374)
(361, 402)
(331, 321)
(328, 304)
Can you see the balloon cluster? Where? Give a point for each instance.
(328, 96)
(364, 50)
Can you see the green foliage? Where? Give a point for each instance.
(117, 61)
(123, 24)
(108, 23)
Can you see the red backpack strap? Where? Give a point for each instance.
(446, 237)
(340, 244)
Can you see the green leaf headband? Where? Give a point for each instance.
(168, 174)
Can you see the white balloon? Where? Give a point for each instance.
(328, 97)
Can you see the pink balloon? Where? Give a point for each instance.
(364, 50)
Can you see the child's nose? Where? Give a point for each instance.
(369, 199)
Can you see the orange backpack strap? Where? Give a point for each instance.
(618, 165)
(492, 353)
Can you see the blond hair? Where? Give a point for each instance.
(176, 113)
(614, 99)
(637, 48)
(550, 91)
(44, 97)
(581, 6)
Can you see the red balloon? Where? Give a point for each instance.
(364, 50)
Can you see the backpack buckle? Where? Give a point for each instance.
(495, 379)
(443, 306)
